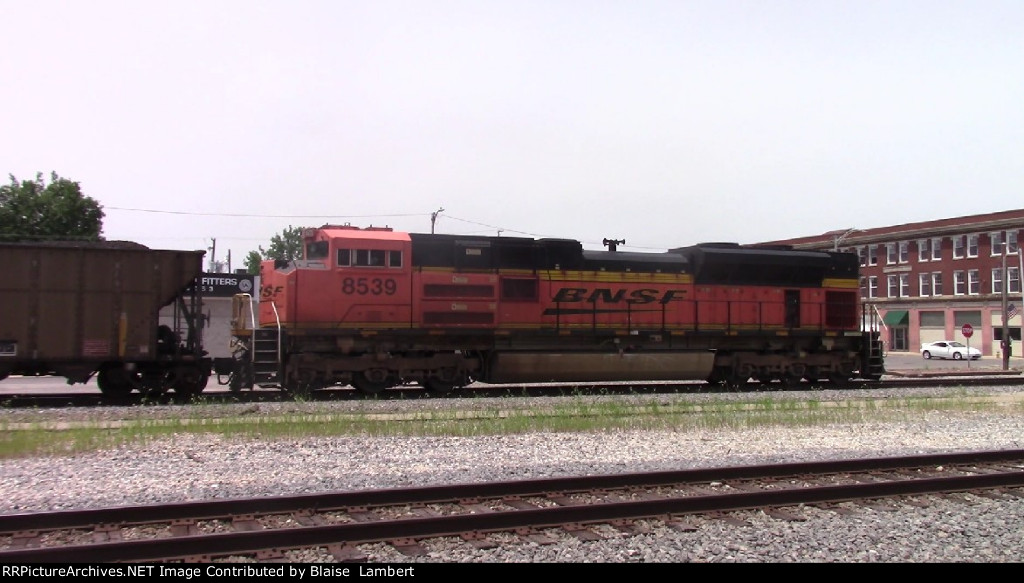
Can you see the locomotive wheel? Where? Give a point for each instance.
(302, 387)
(439, 387)
(838, 379)
(366, 386)
(791, 380)
(114, 380)
(812, 375)
(736, 381)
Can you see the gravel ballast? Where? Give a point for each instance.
(191, 466)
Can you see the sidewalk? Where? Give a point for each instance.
(913, 364)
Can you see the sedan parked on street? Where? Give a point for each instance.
(949, 349)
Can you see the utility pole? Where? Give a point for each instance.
(213, 255)
(433, 218)
(1006, 321)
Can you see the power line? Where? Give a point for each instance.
(432, 215)
(117, 208)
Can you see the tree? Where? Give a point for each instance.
(32, 210)
(287, 246)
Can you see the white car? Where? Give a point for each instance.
(949, 349)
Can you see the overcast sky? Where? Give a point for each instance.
(664, 123)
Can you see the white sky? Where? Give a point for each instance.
(665, 123)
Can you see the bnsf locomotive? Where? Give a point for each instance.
(375, 308)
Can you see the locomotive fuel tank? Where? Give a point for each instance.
(538, 367)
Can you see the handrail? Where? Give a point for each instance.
(277, 317)
(252, 326)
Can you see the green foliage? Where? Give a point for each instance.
(32, 210)
(287, 246)
(252, 262)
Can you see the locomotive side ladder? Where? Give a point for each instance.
(875, 358)
(261, 358)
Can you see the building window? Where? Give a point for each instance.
(1013, 280)
(862, 252)
(959, 283)
(873, 286)
(972, 245)
(904, 285)
(997, 243)
(932, 319)
(997, 281)
(974, 282)
(972, 317)
(958, 247)
(904, 251)
(890, 253)
(937, 283)
(894, 290)
(936, 248)
(924, 283)
(1011, 242)
(872, 254)
(863, 287)
(924, 251)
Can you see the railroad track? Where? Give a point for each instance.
(55, 400)
(269, 528)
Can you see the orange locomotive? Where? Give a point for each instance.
(375, 308)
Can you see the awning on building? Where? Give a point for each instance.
(896, 318)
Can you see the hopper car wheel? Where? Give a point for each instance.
(114, 380)
(189, 382)
(366, 386)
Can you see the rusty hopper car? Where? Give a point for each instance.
(376, 308)
(82, 309)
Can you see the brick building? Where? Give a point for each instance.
(926, 280)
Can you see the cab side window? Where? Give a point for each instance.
(344, 257)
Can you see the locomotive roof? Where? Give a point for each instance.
(376, 234)
(628, 261)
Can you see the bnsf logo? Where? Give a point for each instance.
(270, 291)
(609, 296)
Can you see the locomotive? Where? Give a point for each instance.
(376, 308)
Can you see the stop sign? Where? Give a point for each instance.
(967, 330)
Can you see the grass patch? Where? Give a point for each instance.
(44, 438)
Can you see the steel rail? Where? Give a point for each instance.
(186, 547)
(54, 400)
